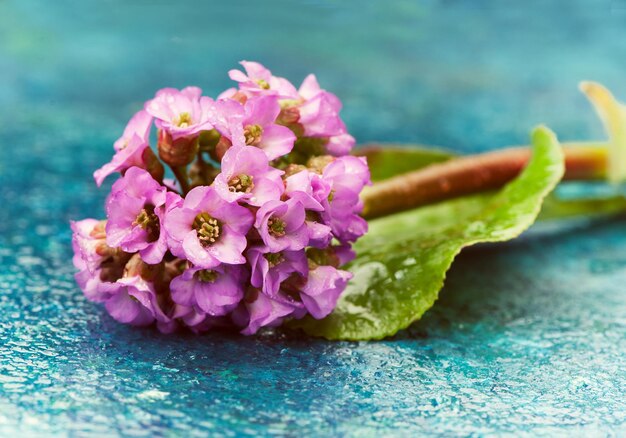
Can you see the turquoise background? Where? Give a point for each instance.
(528, 337)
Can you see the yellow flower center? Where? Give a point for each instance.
(253, 134)
(149, 221)
(263, 84)
(207, 227)
(206, 276)
(241, 184)
(274, 258)
(276, 227)
(183, 120)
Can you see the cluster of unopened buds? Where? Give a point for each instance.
(257, 223)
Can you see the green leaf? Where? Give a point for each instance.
(402, 261)
(557, 209)
(391, 160)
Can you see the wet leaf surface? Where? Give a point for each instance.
(402, 262)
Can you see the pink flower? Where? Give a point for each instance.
(320, 111)
(260, 130)
(214, 291)
(133, 300)
(339, 145)
(227, 118)
(253, 124)
(257, 80)
(207, 230)
(263, 311)
(90, 249)
(135, 153)
(346, 177)
(139, 125)
(136, 208)
(181, 113)
(269, 269)
(322, 290)
(344, 253)
(190, 317)
(89, 243)
(131, 149)
(319, 115)
(311, 190)
(247, 176)
(282, 225)
(261, 230)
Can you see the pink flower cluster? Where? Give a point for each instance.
(255, 227)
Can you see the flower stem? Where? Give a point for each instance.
(474, 174)
(180, 172)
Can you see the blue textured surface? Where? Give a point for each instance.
(528, 337)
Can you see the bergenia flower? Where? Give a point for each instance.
(136, 153)
(131, 149)
(344, 253)
(253, 124)
(181, 113)
(139, 125)
(227, 119)
(90, 249)
(135, 211)
(191, 317)
(340, 145)
(263, 311)
(270, 269)
(311, 190)
(257, 224)
(247, 175)
(346, 176)
(260, 129)
(257, 80)
(322, 289)
(319, 113)
(282, 226)
(133, 300)
(98, 264)
(207, 230)
(89, 243)
(320, 116)
(214, 291)
(196, 320)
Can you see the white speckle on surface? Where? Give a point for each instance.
(153, 394)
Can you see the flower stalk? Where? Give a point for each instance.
(180, 172)
(474, 174)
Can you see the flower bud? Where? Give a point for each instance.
(136, 267)
(239, 97)
(317, 164)
(288, 116)
(177, 153)
(222, 146)
(99, 230)
(208, 140)
(292, 169)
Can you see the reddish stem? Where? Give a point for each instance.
(472, 174)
